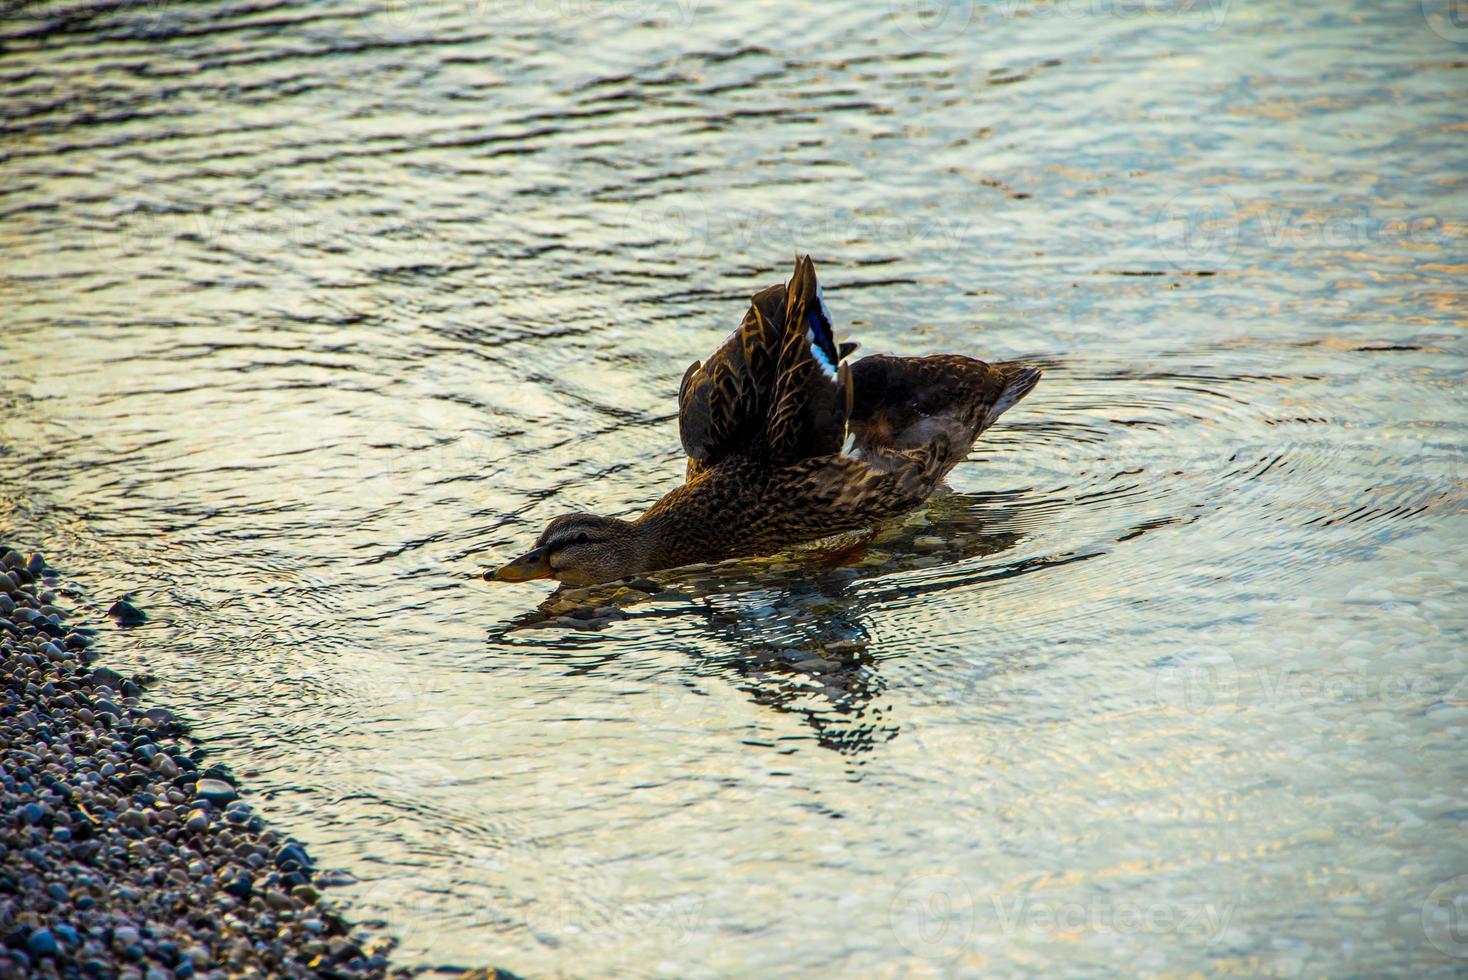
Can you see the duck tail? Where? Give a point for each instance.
(1016, 381)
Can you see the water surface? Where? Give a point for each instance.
(313, 311)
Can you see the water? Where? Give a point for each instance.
(312, 312)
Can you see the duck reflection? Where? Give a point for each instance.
(791, 631)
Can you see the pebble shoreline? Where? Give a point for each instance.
(120, 856)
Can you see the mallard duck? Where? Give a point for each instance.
(788, 441)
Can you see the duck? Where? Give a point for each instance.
(789, 440)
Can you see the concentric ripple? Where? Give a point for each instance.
(314, 311)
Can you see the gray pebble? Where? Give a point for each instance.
(215, 791)
(814, 665)
(108, 677)
(104, 871)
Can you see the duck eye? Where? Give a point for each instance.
(581, 538)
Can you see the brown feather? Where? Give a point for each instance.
(762, 422)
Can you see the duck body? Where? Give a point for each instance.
(789, 440)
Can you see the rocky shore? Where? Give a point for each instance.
(119, 855)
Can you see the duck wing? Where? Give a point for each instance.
(776, 390)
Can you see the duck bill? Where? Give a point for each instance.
(531, 565)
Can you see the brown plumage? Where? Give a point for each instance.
(764, 422)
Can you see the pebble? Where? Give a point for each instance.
(42, 943)
(124, 613)
(119, 864)
(292, 856)
(107, 677)
(240, 887)
(814, 665)
(215, 791)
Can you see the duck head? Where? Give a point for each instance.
(580, 549)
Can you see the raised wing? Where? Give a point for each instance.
(776, 390)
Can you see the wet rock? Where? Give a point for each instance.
(343, 948)
(108, 677)
(215, 791)
(814, 665)
(124, 613)
(111, 872)
(240, 887)
(292, 856)
(42, 943)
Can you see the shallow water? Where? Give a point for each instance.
(311, 312)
